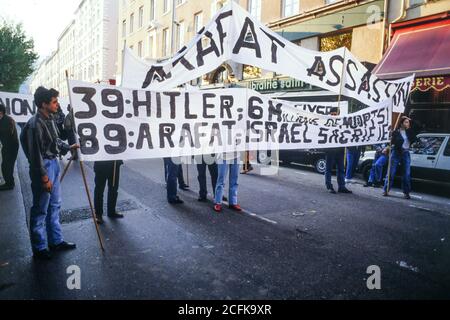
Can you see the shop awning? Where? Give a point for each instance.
(423, 50)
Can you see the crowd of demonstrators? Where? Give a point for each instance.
(41, 142)
(10, 148)
(402, 138)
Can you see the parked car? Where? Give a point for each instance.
(430, 158)
(311, 157)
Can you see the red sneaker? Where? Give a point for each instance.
(217, 207)
(235, 207)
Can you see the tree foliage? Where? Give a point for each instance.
(17, 56)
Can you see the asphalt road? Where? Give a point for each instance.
(293, 241)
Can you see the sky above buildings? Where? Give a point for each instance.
(43, 20)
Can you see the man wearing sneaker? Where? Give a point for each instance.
(10, 148)
(353, 155)
(335, 157)
(42, 146)
(376, 172)
(228, 161)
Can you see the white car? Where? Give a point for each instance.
(430, 158)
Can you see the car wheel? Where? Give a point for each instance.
(320, 165)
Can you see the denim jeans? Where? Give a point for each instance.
(335, 157)
(45, 228)
(404, 158)
(172, 171)
(222, 168)
(353, 154)
(376, 172)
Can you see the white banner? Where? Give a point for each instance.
(234, 35)
(116, 123)
(21, 107)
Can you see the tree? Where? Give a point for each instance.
(17, 57)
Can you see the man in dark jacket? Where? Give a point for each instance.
(104, 173)
(42, 145)
(401, 140)
(10, 148)
(335, 157)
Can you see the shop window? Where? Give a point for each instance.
(251, 72)
(336, 41)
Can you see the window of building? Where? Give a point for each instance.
(166, 7)
(152, 10)
(254, 7)
(413, 3)
(180, 35)
(124, 28)
(150, 46)
(131, 23)
(198, 21)
(166, 44)
(290, 7)
(140, 49)
(332, 42)
(141, 17)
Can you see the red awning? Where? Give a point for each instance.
(423, 50)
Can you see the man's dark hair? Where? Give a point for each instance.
(2, 108)
(43, 95)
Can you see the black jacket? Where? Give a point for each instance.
(40, 140)
(397, 139)
(8, 133)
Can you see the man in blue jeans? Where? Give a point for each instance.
(353, 155)
(376, 172)
(42, 145)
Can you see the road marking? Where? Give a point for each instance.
(301, 173)
(259, 217)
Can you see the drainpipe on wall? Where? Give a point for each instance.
(385, 25)
(402, 16)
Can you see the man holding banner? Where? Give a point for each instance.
(42, 145)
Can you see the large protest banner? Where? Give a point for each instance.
(117, 123)
(234, 35)
(21, 107)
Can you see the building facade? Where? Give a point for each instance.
(87, 48)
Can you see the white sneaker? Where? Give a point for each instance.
(349, 181)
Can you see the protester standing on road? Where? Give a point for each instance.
(10, 148)
(201, 169)
(401, 140)
(42, 145)
(353, 155)
(104, 173)
(172, 171)
(228, 161)
(335, 156)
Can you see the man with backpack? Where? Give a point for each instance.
(42, 145)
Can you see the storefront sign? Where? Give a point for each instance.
(437, 83)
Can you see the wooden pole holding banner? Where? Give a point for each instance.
(86, 187)
(66, 169)
(390, 152)
(339, 101)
